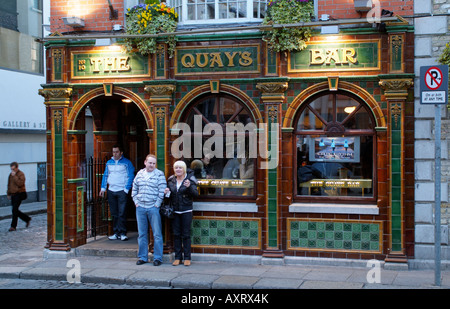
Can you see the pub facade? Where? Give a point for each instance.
(304, 153)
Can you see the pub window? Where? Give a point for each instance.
(221, 175)
(335, 149)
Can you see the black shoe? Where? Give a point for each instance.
(140, 262)
(157, 263)
(28, 223)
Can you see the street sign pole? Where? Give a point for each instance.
(437, 190)
(434, 91)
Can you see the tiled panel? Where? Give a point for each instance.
(396, 177)
(334, 235)
(226, 232)
(58, 153)
(80, 208)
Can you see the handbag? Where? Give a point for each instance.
(166, 209)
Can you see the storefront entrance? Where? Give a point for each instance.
(110, 120)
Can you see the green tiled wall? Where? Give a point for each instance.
(58, 152)
(226, 233)
(334, 235)
(396, 181)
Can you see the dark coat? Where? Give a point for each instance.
(182, 199)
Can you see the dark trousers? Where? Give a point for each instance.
(118, 206)
(16, 200)
(181, 225)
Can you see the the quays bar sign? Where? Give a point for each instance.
(107, 64)
(361, 55)
(224, 59)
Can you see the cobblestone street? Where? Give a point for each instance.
(25, 246)
(23, 239)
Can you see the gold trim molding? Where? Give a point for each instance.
(160, 90)
(56, 96)
(396, 88)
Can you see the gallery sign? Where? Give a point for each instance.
(318, 56)
(108, 64)
(224, 59)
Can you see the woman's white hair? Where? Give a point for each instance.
(180, 164)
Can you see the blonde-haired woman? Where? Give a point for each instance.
(183, 188)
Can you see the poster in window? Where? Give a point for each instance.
(334, 149)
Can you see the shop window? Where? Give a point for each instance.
(335, 149)
(221, 174)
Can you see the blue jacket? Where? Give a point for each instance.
(118, 176)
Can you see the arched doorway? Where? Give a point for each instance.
(108, 121)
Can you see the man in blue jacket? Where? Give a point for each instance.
(118, 176)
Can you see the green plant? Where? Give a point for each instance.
(288, 12)
(445, 57)
(151, 18)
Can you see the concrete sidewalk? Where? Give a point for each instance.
(114, 262)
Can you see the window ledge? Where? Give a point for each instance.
(225, 206)
(334, 208)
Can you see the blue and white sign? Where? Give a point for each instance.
(434, 84)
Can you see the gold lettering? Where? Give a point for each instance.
(123, 64)
(96, 63)
(215, 59)
(205, 60)
(349, 55)
(109, 64)
(332, 54)
(230, 58)
(246, 59)
(188, 63)
(317, 56)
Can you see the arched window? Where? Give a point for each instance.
(220, 127)
(335, 149)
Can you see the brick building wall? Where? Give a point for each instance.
(95, 13)
(431, 35)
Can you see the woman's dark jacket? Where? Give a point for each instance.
(182, 199)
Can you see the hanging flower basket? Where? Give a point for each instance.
(150, 18)
(288, 12)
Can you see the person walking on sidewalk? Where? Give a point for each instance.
(183, 188)
(118, 177)
(17, 193)
(148, 194)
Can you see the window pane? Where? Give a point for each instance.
(221, 174)
(345, 106)
(361, 120)
(20, 25)
(338, 166)
(324, 107)
(309, 121)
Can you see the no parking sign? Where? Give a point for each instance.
(434, 84)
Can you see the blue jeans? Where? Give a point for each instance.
(145, 216)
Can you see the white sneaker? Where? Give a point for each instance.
(113, 237)
(123, 237)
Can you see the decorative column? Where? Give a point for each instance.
(160, 100)
(57, 101)
(396, 93)
(272, 97)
